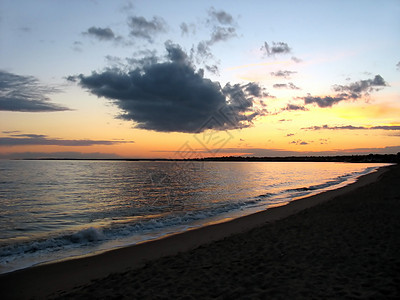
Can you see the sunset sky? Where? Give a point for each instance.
(182, 79)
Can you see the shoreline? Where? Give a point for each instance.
(43, 280)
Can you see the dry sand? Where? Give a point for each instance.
(345, 248)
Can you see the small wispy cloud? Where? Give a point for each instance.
(283, 73)
(294, 107)
(102, 34)
(41, 139)
(289, 85)
(26, 94)
(352, 91)
(351, 127)
(276, 48)
(299, 142)
(145, 29)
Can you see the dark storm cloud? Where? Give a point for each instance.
(142, 28)
(39, 139)
(172, 96)
(283, 73)
(25, 94)
(351, 127)
(289, 85)
(275, 48)
(353, 91)
(103, 34)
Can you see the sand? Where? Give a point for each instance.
(336, 245)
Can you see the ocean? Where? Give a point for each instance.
(55, 210)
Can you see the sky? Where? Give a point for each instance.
(186, 79)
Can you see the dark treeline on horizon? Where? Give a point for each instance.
(369, 158)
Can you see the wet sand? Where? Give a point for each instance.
(339, 244)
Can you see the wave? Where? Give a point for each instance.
(93, 236)
(9, 253)
(302, 191)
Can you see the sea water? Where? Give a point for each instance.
(53, 210)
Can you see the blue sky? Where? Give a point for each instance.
(321, 45)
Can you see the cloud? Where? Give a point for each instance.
(59, 155)
(140, 58)
(25, 94)
(25, 29)
(102, 34)
(296, 59)
(187, 29)
(276, 48)
(222, 34)
(290, 134)
(299, 142)
(283, 73)
(223, 26)
(220, 16)
(324, 141)
(326, 101)
(289, 85)
(144, 29)
(77, 46)
(276, 152)
(361, 151)
(353, 91)
(351, 127)
(39, 139)
(172, 96)
(363, 87)
(294, 107)
(398, 66)
(10, 131)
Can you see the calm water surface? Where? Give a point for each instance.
(52, 210)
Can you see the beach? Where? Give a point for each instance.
(338, 244)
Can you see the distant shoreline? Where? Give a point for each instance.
(369, 158)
